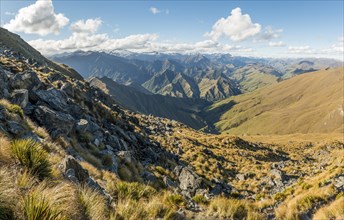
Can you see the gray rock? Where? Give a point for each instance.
(20, 97)
(189, 181)
(71, 166)
(25, 80)
(125, 156)
(169, 183)
(278, 175)
(82, 126)
(56, 99)
(52, 120)
(15, 128)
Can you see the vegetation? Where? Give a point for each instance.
(31, 155)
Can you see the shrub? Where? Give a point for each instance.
(107, 160)
(134, 191)
(31, 155)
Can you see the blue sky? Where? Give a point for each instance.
(274, 28)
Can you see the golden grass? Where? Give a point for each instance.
(334, 210)
(309, 103)
(92, 204)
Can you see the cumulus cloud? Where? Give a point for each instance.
(277, 44)
(154, 10)
(236, 27)
(38, 18)
(86, 26)
(86, 41)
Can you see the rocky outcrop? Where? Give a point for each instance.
(59, 123)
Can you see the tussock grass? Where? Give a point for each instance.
(5, 151)
(8, 195)
(228, 208)
(92, 204)
(334, 210)
(133, 191)
(31, 155)
(50, 202)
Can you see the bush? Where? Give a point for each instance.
(31, 155)
(134, 191)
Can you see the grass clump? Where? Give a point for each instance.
(134, 190)
(228, 208)
(175, 200)
(92, 204)
(199, 199)
(7, 195)
(335, 210)
(31, 155)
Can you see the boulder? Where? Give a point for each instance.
(82, 125)
(25, 80)
(73, 170)
(20, 97)
(52, 120)
(189, 181)
(56, 99)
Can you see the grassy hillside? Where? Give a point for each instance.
(309, 103)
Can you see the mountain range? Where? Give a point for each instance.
(72, 148)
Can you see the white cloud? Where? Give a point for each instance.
(270, 33)
(38, 18)
(86, 26)
(236, 26)
(277, 44)
(300, 49)
(154, 10)
(86, 41)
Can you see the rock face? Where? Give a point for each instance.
(73, 170)
(54, 98)
(58, 122)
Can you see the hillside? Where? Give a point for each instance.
(183, 110)
(309, 103)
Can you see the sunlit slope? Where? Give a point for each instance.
(309, 103)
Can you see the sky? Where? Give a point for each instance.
(245, 28)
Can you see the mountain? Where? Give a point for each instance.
(184, 110)
(254, 76)
(172, 84)
(12, 40)
(207, 76)
(99, 64)
(69, 150)
(308, 103)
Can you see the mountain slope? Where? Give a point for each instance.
(183, 110)
(16, 43)
(309, 103)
